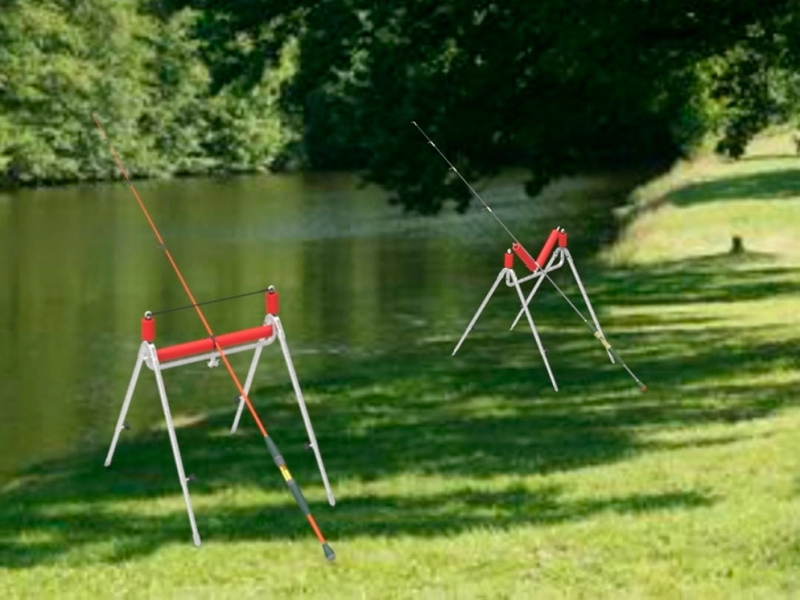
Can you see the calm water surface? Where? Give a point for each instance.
(79, 266)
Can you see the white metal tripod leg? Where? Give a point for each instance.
(303, 411)
(126, 404)
(248, 382)
(480, 309)
(173, 440)
(533, 329)
(586, 299)
(535, 287)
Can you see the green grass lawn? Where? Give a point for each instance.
(469, 477)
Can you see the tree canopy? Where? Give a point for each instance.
(555, 86)
(141, 70)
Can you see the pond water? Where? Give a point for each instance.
(356, 277)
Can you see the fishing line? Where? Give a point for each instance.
(177, 308)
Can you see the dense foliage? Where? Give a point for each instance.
(555, 86)
(190, 86)
(60, 60)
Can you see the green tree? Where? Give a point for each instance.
(555, 86)
(757, 82)
(57, 60)
(141, 70)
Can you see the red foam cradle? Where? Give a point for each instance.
(523, 256)
(555, 237)
(225, 340)
(548, 247)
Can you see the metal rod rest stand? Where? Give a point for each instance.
(148, 356)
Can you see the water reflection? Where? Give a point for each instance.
(79, 266)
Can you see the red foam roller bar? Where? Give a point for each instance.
(562, 239)
(508, 260)
(523, 256)
(207, 345)
(548, 247)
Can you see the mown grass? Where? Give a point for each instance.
(469, 477)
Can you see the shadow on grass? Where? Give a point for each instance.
(770, 185)
(520, 428)
(714, 278)
(435, 515)
(769, 157)
(488, 412)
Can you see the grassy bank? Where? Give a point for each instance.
(470, 477)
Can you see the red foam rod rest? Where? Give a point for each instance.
(562, 239)
(272, 303)
(148, 329)
(523, 255)
(548, 247)
(234, 338)
(508, 260)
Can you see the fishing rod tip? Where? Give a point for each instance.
(329, 554)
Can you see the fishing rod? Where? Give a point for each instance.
(595, 331)
(293, 486)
